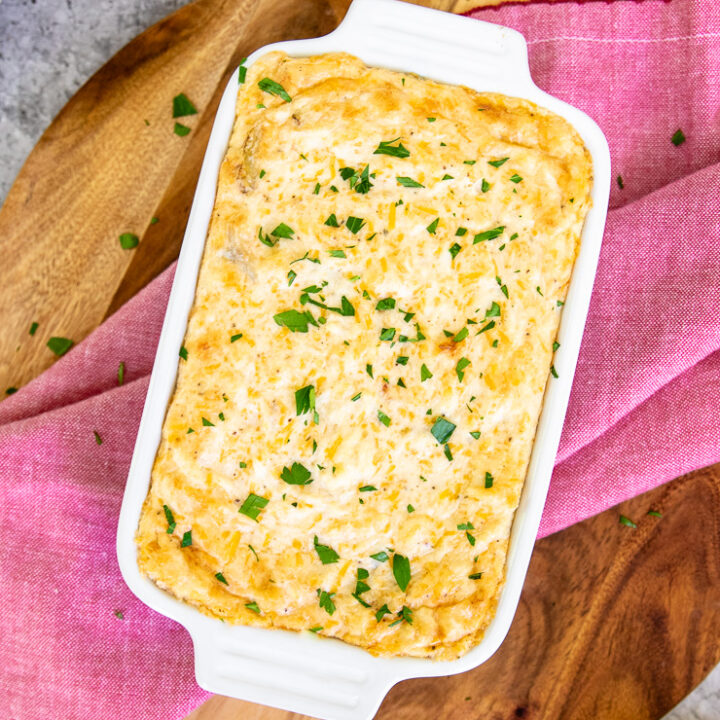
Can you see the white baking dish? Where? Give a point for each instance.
(298, 671)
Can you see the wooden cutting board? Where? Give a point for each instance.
(614, 622)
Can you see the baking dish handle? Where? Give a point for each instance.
(472, 52)
(316, 676)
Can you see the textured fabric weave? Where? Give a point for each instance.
(643, 408)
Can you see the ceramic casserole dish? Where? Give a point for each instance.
(300, 672)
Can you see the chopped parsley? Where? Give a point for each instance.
(33, 328)
(442, 429)
(446, 177)
(387, 148)
(430, 119)
(554, 372)
(408, 182)
(410, 509)
(448, 452)
(12, 391)
(297, 474)
(253, 506)
(382, 612)
(469, 162)
(489, 234)
(475, 576)
(98, 439)
(460, 368)
(170, 520)
(381, 556)
(253, 606)
(460, 335)
(678, 138)
(325, 600)
(387, 334)
(494, 310)
(332, 221)
(180, 129)
(485, 185)
(488, 480)
(242, 72)
(454, 249)
(460, 232)
(326, 554)
(59, 345)
(121, 373)
(383, 418)
(358, 181)
(387, 303)
(207, 423)
(221, 578)
(182, 106)
(402, 360)
(404, 615)
(315, 629)
(186, 539)
(515, 178)
(235, 337)
(305, 399)
(425, 373)
(369, 370)
(354, 224)
(432, 227)
(128, 241)
(556, 345)
(401, 571)
(283, 231)
(620, 182)
(295, 321)
(475, 434)
(627, 522)
(368, 488)
(183, 352)
(337, 253)
(498, 163)
(487, 327)
(270, 86)
(356, 397)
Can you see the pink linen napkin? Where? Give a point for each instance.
(75, 643)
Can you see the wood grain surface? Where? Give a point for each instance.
(614, 622)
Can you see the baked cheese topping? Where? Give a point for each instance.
(365, 361)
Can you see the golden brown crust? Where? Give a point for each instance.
(497, 297)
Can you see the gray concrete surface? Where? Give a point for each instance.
(48, 48)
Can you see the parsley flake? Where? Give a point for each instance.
(432, 227)
(381, 556)
(297, 474)
(678, 138)
(121, 373)
(488, 480)
(59, 345)
(326, 554)
(408, 182)
(462, 364)
(498, 163)
(425, 373)
(387, 303)
(128, 241)
(401, 571)
(270, 86)
(627, 522)
(221, 578)
(325, 601)
(387, 148)
(354, 224)
(383, 418)
(182, 106)
(180, 129)
(170, 520)
(442, 429)
(485, 185)
(488, 234)
(295, 321)
(332, 221)
(186, 539)
(253, 506)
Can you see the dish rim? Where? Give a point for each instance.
(235, 660)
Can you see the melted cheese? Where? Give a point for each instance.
(480, 317)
